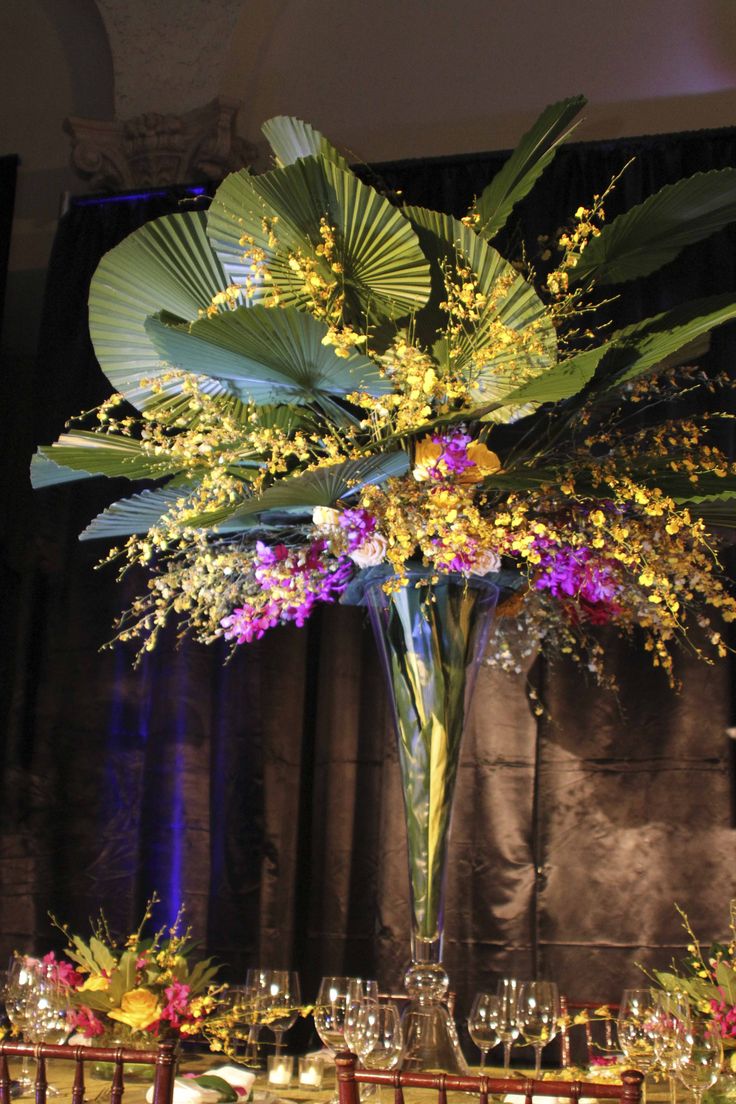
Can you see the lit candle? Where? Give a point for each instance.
(279, 1071)
(310, 1072)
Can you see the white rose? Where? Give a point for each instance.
(486, 561)
(324, 517)
(371, 552)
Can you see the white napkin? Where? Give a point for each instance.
(186, 1091)
(238, 1078)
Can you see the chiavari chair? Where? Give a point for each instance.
(161, 1058)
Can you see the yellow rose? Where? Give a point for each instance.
(486, 462)
(94, 984)
(426, 455)
(138, 1009)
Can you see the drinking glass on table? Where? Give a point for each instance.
(483, 1020)
(330, 1008)
(18, 1008)
(701, 1061)
(507, 1025)
(637, 1030)
(281, 1006)
(380, 1027)
(672, 1014)
(537, 1015)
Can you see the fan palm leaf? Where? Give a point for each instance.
(280, 212)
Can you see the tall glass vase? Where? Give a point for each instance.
(431, 638)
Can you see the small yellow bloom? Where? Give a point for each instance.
(95, 983)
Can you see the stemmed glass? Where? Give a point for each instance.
(507, 1025)
(380, 1027)
(671, 1017)
(538, 1014)
(637, 1030)
(18, 1007)
(483, 1023)
(282, 1003)
(333, 998)
(701, 1061)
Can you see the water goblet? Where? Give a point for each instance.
(282, 1004)
(380, 1026)
(702, 1058)
(671, 1015)
(483, 1020)
(18, 1008)
(538, 1014)
(507, 1026)
(637, 1030)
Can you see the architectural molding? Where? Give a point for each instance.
(155, 150)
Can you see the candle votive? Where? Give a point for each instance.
(280, 1070)
(310, 1071)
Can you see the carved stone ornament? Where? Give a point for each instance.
(153, 150)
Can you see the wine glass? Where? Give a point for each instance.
(483, 1020)
(18, 1008)
(637, 1030)
(380, 1027)
(538, 1014)
(671, 1017)
(333, 998)
(507, 1026)
(701, 1061)
(253, 1008)
(282, 1003)
(355, 1036)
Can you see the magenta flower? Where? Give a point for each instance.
(84, 1020)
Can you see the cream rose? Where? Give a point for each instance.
(325, 518)
(138, 1009)
(486, 561)
(371, 552)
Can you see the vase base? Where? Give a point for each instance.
(430, 1039)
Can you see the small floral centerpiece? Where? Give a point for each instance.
(706, 976)
(328, 382)
(140, 990)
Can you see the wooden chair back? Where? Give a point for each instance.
(161, 1058)
(581, 1044)
(349, 1078)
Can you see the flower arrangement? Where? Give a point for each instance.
(141, 989)
(329, 385)
(707, 977)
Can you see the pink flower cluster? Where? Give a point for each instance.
(578, 573)
(61, 972)
(359, 526)
(724, 1016)
(176, 1010)
(454, 459)
(85, 1022)
(291, 582)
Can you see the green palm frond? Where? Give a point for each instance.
(649, 235)
(166, 265)
(136, 514)
(291, 139)
(82, 454)
(299, 494)
(384, 272)
(493, 367)
(525, 165)
(630, 353)
(266, 355)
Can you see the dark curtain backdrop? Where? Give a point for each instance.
(265, 792)
(8, 174)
